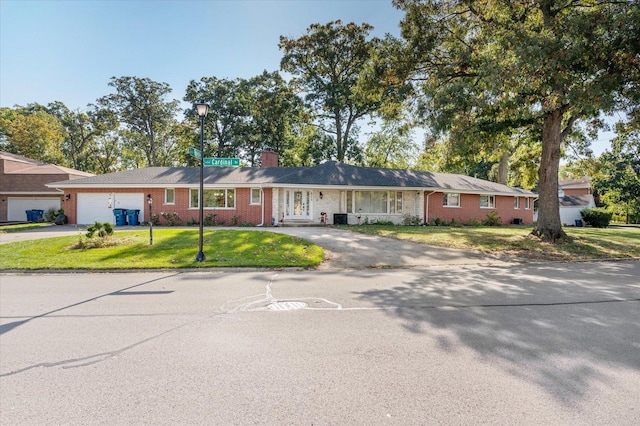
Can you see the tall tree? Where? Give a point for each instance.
(225, 114)
(519, 64)
(328, 64)
(391, 147)
(143, 108)
(32, 132)
(272, 110)
(81, 131)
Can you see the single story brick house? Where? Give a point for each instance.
(23, 186)
(330, 193)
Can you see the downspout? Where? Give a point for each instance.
(426, 207)
(262, 205)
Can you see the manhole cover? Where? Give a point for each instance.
(286, 306)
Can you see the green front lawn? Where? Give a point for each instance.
(586, 243)
(172, 248)
(22, 227)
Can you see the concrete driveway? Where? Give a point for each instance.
(343, 249)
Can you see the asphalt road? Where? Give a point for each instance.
(536, 344)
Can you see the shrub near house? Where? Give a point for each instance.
(598, 218)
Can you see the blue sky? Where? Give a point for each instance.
(68, 50)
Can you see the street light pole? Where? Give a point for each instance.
(202, 109)
(150, 201)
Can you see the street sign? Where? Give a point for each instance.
(222, 162)
(195, 152)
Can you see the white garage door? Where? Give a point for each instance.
(95, 207)
(18, 205)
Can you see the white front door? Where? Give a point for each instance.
(298, 204)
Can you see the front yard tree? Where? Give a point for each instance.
(148, 117)
(328, 63)
(519, 64)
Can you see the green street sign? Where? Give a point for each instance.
(222, 162)
(195, 152)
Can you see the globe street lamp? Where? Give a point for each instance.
(150, 201)
(202, 109)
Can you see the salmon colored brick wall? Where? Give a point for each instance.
(470, 209)
(244, 211)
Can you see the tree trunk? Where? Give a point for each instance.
(549, 227)
(339, 142)
(503, 168)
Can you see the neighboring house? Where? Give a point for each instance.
(23, 186)
(575, 195)
(272, 195)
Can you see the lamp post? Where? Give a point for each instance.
(202, 109)
(150, 201)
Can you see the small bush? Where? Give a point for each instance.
(98, 235)
(492, 219)
(210, 219)
(247, 224)
(235, 220)
(102, 229)
(171, 219)
(155, 219)
(598, 217)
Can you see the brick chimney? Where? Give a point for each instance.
(269, 158)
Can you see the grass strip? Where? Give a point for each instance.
(172, 248)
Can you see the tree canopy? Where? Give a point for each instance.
(149, 118)
(328, 64)
(500, 66)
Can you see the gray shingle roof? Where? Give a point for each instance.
(576, 200)
(329, 174)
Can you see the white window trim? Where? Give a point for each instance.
(527, 203)
(251, 196)
(448, 206)
(166, 203)
(491, 205)
(516, 203)
(352, 205)
(213, 208)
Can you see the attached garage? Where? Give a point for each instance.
(18, 205)
(99, 207)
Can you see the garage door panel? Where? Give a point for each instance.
(16, 206)
(94, 207)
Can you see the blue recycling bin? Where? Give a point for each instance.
(579, 223)
(36, 215)
(132, 216)
(29, 215)
(121, 217)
